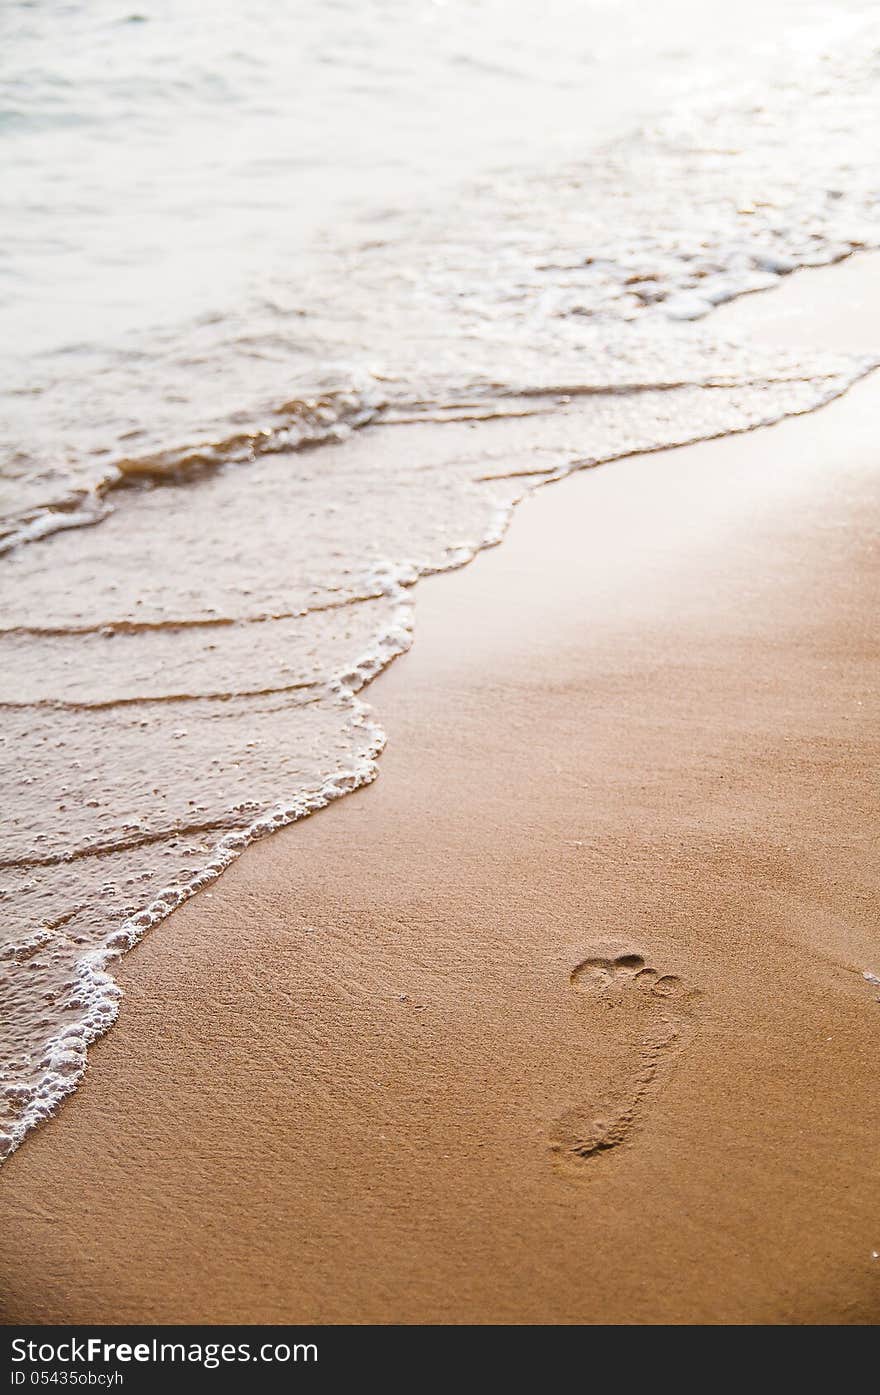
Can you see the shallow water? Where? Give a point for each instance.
(299, 306)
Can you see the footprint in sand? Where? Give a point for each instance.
(654, 1025)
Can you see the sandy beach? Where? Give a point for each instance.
(564, 1020)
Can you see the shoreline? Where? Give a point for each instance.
(361, 1079)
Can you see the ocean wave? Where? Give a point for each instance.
(189, 628)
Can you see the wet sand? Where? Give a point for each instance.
(407, 1062)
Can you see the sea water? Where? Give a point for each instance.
(299, 300)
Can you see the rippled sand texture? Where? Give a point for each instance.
(181, 674)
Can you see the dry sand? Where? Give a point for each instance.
(362, 1080)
